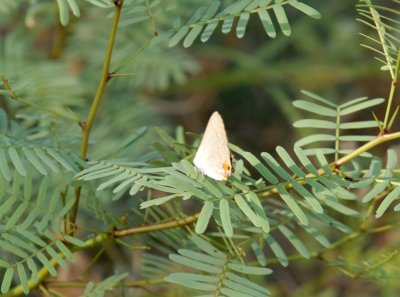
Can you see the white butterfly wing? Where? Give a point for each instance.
(213, 155)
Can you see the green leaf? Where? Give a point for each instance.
(237, 7)
(157, 201)
(256, 164)
(341, 208)
(34, 161)
(56, 156)
(323, 162)
(232, 293)
(124, 175)
(207, 247)
(262, 217)
(138, 134)
(311, 200)
(315, 124)
(242, 24)
(331, 222)
(253, 5)
(250, 269)
(3, 120)
(184, 185)
(74, 7)
(225, 217)
(42, 258)
(305, 161)
(282, 19)
(358, 125)
(308, 10)
(317, 235)
(192, 35)
(180, 279)
(361, 106)
(315, 108)
(227, 24)
(291, 203)
(19, 242)
(32, 237)
(277, 250)
(22, 278)
(16, 161)
(201, 257)
(197, 15)
(352, 102)
(319, 98)
(275, 166)
(6, 206)
(267, 23)
(63, 10)
(15, 217)
(213, 189)
(41, 197)
(4, 166)
(245, 208)
(56, 256)
(209, 30)
(195, 277)
(238, 288)
(4, 264)
(7, 278)
(204, 217)
(134, 20)
(394, 195)
(75, 241)
(289, 161)
(375, 191)
(211, 10)
(28, 186)
(194, 264)
(353, 138)
(391, 159)
(314, 138)
(65, 251)
(32, 266)
(257, 249)
(179, 36)
(295, 241)
(245, 282)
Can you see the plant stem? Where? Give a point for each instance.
(87, 126)
(362, 149)
(391, 94)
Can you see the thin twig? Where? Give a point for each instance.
(87, 126)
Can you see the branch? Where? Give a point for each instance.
(334, 165)
(44, 272)
(105, 77)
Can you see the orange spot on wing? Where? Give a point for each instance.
(227, 170)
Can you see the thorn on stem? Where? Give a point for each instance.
(82, 124)
(110, 75)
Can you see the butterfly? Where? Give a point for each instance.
(213, 157)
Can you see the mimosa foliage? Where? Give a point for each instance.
(214, 237)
